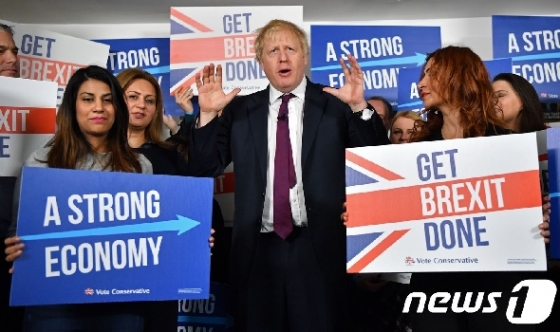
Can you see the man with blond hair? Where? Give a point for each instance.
(288, 258)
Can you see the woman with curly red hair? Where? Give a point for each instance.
(460, 103)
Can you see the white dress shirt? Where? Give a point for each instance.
(295, 123)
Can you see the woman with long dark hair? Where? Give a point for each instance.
(92, 125)
(518, 103)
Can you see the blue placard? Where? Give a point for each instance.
(409, 96)
(111, 237)
(553, 151)
(381, 51)
(533, 43)
(150, 54)
(206, 315)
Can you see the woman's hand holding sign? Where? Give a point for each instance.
(14, 249)
(545, 225)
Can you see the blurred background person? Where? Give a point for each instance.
(383, 108)
(11, 318)
(460, 103)
(402, 126)
(519, 103)
(92, 123)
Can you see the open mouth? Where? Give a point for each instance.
(284, 72)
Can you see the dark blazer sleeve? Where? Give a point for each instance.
(209, 146)
(372, 131)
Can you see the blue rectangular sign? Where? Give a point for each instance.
(111, 237)
(206, 315)
(380, 50)
(409, 95)
(533, 43)
(150, 54)
(553, 152)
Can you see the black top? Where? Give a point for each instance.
(169, 161)
(166, 161)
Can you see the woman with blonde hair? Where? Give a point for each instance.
(403, 126)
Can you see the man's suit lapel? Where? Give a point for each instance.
(257, 110)
(312, 113)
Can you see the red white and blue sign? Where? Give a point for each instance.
(444, 206)
(111, 237)
(533, 43)
(224, 36)
(381, 52)
(409, 94)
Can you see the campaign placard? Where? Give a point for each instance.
(224, 193)
(409, 94)
(208, 314)
(453, 205)
(111, 237)
(533, 43)
(149, 54)
(381, 51)
(225, 36)
(27, 120)
(553, 152)
(50, 56)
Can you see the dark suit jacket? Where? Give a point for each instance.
(240, 135)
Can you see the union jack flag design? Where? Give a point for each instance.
(364, 247)
(186, 49)
(88, 291)
(223, 36)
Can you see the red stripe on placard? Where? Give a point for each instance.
(27, 120)
(377, 251)
(210, 49)
(518, 190)
(187, 84)
(543, 157)
(224, 184)
(189, 21)
(41, 69)
(372, 167)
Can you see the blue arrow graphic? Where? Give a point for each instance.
(228, 321)
(180, 225)
(154, 71)
(417, 59)
(537, 56)
(413, 104)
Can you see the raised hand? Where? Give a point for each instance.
(183, 99)
(352, 93)
(211, 96)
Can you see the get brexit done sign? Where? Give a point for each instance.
(50, 56)
(453, 205)
(533, 43)
(27, 120)
(409, 94)
(381, 52)
(225, 36)
(111, 237)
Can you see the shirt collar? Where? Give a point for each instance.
(299, 91)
